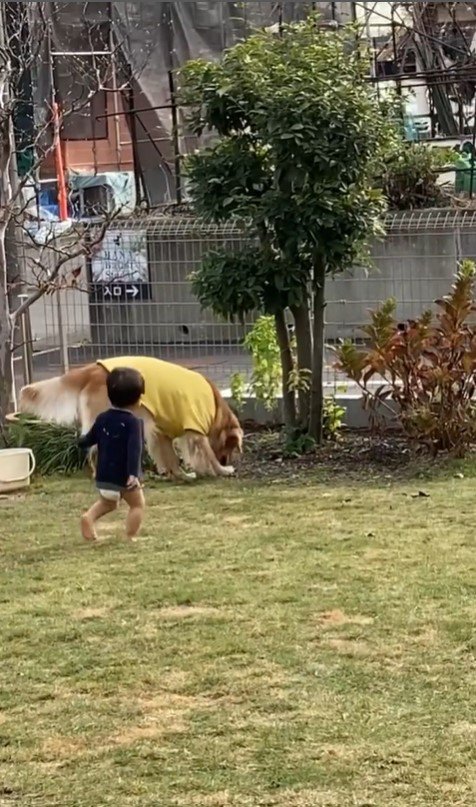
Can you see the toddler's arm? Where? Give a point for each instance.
(90, 439)
(134, 448)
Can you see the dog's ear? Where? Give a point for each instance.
(29, 393)
(234, 441)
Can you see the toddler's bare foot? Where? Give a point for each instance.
(87, 529)
(132, 539)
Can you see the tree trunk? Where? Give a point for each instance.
(6, 356)
(317, 397)
(289, 397)
(302, 322)
(13, 256)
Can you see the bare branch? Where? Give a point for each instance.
(84, 249)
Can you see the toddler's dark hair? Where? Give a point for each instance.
(125, 387)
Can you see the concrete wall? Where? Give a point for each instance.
(355, 417)
(415, 269)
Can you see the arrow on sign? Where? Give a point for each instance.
(133, 291)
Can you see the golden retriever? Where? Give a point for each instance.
(173, 397)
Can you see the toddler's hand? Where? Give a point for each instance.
(132, 483)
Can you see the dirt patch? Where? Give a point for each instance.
(354, 456)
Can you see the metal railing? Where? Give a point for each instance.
(134, 295)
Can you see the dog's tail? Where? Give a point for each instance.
(53, 400)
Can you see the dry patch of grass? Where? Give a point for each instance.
(337, 618)
(178, 612)
(90, 613)
(262, 646)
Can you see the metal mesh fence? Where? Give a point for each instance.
(134, 295)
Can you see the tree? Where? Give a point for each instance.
(29, 139)
(300, 136)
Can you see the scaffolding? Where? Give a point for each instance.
(425, 51)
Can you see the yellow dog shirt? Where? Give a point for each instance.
(178, 399)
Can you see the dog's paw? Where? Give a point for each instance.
(227, 470)
(188, 476)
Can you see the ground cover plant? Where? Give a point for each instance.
(301, 643)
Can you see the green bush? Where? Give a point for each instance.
(410, 180)
(426, 366)
(55, 447)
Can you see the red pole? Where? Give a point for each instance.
(60, 177)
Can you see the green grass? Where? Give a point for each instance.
(301, 646)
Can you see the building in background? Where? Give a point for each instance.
(132, 126)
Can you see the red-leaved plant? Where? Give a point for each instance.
(426, 366)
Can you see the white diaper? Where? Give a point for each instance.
(110, 495)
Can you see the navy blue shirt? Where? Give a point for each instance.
(119, 437)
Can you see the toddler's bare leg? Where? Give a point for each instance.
(99, 509)
(136, 503)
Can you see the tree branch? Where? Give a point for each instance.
(83, 250)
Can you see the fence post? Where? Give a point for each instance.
(26, 340)
(63, 339)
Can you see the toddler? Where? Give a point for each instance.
(118, 436)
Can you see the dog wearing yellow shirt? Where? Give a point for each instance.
(177, 404)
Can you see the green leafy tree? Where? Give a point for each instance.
(300, 136)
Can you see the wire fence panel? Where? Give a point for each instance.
(134, 295)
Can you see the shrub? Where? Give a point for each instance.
(55, 447)
(265, 384)
(426, 366)
(262, 343)
(333, 418)
(410, 179)
(238, 390)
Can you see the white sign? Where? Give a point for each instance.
(121, 258)
(110, 292)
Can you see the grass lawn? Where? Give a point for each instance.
(300, 645)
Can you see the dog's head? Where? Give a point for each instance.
(230, 443)
(226, 434)
(227, 441)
